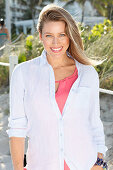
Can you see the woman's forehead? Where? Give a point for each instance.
(54, 27)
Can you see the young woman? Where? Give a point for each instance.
(4, 34)
(54, 100)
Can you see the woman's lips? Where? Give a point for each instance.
(56, 50)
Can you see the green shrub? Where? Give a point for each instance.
(21, 57)
(4, 76)
(29, 41)
(33, 48)
(100, 29)
(95, 33)
(37, 47)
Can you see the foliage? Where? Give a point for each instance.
(100, 29)
(13, 32)
(4, 72)
(98, 46)
(96, 32)
(32, 48)
(29, 40)
(104, 7)
(37, 47)
(21, 57)
(2, 9)
(102, 49)
(4, 76)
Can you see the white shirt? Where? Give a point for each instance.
(76, 136)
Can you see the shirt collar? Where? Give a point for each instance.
(44, 61)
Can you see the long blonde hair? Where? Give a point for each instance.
(53, 12)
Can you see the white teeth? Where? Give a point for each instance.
(57, 49)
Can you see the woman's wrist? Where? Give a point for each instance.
(100, 155)
(102, 163)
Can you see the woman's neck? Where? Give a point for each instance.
(60, 61)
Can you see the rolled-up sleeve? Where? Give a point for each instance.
(17, 119)
(96, 123)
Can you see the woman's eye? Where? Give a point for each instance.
(48, 35)
(62, 35)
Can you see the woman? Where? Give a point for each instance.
(4, 35)
(54, 100)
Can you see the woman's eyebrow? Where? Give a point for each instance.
(53, 33)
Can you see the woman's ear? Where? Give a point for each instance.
(40, 36)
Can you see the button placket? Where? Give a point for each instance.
(61, 142)
(61, 135)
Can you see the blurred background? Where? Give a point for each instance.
(20, 17)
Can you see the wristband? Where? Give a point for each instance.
(101, 163)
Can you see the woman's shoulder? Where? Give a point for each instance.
(89, 69)
(29, 63)
(4, 29)
(27, 66)
(89, 75)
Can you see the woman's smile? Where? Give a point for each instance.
(56, 50)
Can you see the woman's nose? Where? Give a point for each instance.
(55, 40)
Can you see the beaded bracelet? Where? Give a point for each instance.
(101, 163)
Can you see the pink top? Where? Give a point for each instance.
(62, 94)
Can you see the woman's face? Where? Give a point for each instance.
(54, 38)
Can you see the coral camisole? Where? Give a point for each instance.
(62, 94)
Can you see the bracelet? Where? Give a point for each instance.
(101, 163)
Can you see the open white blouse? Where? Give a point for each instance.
(76, 136)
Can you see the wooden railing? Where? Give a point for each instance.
(13, 59)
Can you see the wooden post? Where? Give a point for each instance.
(13, 62)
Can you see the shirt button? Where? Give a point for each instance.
(61, 149)
(60, 134)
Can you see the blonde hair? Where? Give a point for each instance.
(53, 12)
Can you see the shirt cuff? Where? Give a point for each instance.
(16, 132)
(102, 149)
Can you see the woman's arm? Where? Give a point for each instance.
(95, 120)
(96, 123)
(18, 121)
(8, 37)
(96, 167)
(17, 152)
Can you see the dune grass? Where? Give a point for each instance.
(102, 49)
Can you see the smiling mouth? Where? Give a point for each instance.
(56, 49)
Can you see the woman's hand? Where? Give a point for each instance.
(96, 167)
